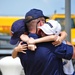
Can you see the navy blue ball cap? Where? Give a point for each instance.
(35, 13)
(17, 29)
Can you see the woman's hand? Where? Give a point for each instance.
(31, 41)
(31, 44)
(57, 42)
(32, 47)
(21, 47)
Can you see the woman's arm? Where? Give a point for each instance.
(73, 57)
(15, 52)
(24, 37)
(43, 39)
(62, 37)
(50, 38)
(20, 48)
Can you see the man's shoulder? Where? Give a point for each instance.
(33, 35)
(45, 44)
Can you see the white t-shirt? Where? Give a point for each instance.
(67, 66)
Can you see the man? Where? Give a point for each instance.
(43, 61)
(52, 27)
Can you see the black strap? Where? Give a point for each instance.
(49, 24)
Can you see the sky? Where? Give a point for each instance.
(20, 7)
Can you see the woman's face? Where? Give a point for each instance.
(41, 21)
(41, 33)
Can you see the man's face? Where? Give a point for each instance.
(42, 19)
